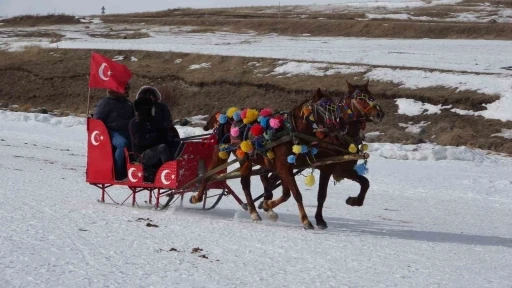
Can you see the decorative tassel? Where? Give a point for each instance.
(297, 149)
(223, 155)
(231, 111)
(246, 146)
(310, 180)
(352, 148)
(361, 169)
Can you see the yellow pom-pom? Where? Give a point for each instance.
(223, 155)
(364, 147)
(297, 149)
(312, 118)
(246, 146)
(270, 155)
(310, 180)
(251, 116)
(240, 153)
(352, 148)
(231, 111)
(349, 111)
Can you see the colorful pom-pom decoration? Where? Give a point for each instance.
(231, 111)
(291, 159)
(361, 169)
(257, 130)
(314, 151)
(319, 134)
(267, 112)
(250, 116)
(304, 149)
(243, 113)
(310, 180)
(306, 111)
(297, 149)
(223, 119)
(364, 147)
(237, 116)
(264, 122)
(240, 153)
(270, 155)
(235, 131)
(246, 146)
(352, 148)
(275, 123)
(223, 155)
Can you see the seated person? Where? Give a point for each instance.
(162, 115)
(148, 139)
(116, 112)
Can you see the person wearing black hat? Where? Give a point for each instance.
(148, 139)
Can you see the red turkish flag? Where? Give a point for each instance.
(108, 74)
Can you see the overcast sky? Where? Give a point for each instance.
(11, 8)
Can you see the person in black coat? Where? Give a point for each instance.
(162, 115)
(116, 111)
(148, 139)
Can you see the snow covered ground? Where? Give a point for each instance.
(444, 223)
(479, 65)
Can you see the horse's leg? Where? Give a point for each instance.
(271, 215)
(325, 175)
(285, 171)
(245, 180)
(365, 185)
(216, 162)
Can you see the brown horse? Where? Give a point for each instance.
(325, 118)
(358, 106)
(268, 205)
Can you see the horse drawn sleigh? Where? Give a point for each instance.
(319, 133)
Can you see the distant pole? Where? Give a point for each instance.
(279, 19)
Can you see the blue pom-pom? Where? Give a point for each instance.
(264, 122)
(259, 118)
(223, 119)
(237, 116)
(304, 148)
(291, 159)
(314, 151)
(361, 169)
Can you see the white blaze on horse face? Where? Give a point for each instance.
(101, 72)
(164, 181)
(93, 138)
(130, 175)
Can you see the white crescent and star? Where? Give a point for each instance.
(101, 72)
(162, 177)
(130, 175)
(93, 138)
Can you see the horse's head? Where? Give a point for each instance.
(361, 104)
(212, 122)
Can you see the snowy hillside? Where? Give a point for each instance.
(17, 7)
(444, 223)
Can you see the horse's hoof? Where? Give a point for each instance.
(308, 226)
(255, 217)
(354, 202)
(321, 225)
(192, 200)
(272, 216)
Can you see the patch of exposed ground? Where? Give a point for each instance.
(37, 20)
(42, 79)
(113, 35)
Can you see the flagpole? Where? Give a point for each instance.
(88, 102)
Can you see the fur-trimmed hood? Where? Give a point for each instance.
(145, 88)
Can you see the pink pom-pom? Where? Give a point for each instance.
(244, 113)
(275, 123)
(267, 112)
(235, 131)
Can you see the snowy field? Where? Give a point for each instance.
(484, 66)
(427, 222)
(17, 7)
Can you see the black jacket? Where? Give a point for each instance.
(115, 112)
(145, 134)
